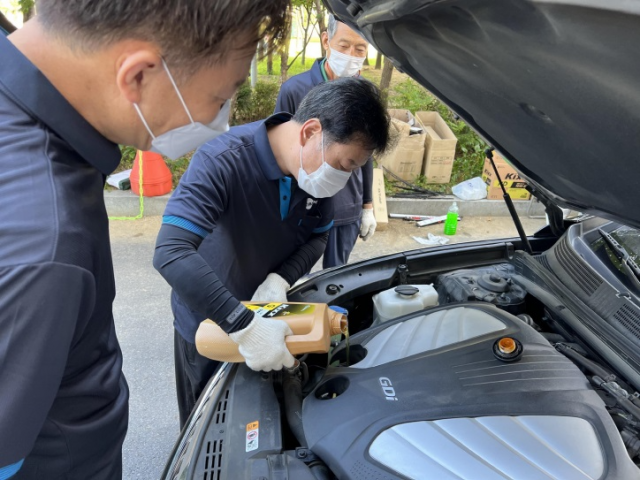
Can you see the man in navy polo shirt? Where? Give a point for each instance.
(346, 52)
(75, 81)
(251, 216)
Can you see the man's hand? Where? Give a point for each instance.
(368, 223)
(273, 289)
(262, 344)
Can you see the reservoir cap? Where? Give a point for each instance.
(406, 290)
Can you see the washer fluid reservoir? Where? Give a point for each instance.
(402, 300)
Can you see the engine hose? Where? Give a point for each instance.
(583, 361)
(292, 390)
(320, 471)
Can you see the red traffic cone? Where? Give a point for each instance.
(156, 176)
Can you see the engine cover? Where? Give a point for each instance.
(429, 399)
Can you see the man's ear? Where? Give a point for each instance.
(134, 69)
(310, 128)
(324, 38)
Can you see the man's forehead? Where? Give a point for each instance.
(344, 32)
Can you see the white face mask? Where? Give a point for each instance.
(181, 140)
(344, 65)
(325, 182)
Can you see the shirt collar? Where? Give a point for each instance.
(323, 70)
(317, 72)
(266, 158)
(30, 89)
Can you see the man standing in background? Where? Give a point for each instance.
(346, 52)
(76, 81)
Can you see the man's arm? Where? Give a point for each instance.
(178, 261)
(40, 308)
(303, 259)
(191, 214)
(367, 183)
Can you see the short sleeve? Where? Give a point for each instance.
(41, 307)
(201, 196)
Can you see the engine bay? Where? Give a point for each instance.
(491, 383)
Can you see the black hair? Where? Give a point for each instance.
(349, 109)
(190, 33)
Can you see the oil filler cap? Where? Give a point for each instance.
(508, 349)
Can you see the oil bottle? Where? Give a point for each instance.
(312, 324)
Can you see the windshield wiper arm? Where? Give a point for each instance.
(629, 267)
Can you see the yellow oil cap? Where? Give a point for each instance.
(506, 345)
(508, 349)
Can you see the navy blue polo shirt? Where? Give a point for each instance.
(252, 217)
(63, 398)
(348, 201)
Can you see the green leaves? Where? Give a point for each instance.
(26, 5)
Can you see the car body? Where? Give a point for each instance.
(437, 393)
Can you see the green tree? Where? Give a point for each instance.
(385, 79)
(28, 8)
(322, 26)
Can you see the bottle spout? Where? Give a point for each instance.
(338, 324)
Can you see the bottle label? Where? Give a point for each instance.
(274, 310)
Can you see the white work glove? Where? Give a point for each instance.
(262, 344)
(368, 224)
(273, 289)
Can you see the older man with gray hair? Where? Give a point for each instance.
(346, 52)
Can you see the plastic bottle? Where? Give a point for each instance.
(312, 324)
(451, 223)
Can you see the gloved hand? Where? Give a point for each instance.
(262, 344)
(368, 224)
(273, 289)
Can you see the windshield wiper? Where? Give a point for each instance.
(629, 267)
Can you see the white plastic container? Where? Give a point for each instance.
(402, 300)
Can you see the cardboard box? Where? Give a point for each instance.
(440, 147)
(511, 179)
(379, 200)
(406, 158)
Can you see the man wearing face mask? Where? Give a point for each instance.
(76, 81)
(251, 216)
(346, 52)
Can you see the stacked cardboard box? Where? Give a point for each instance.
(379, 200)
(440, 147)
(406, 158)
(511, 180)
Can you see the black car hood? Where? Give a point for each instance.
(553, 85)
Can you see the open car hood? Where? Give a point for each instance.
(553, 85)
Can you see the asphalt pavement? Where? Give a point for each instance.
(144, 327)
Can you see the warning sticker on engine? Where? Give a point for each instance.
(252, 437)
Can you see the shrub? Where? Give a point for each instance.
(254, 104)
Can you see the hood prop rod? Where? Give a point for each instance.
(510, 206)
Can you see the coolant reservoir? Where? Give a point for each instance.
(312, 324)
(402, 300)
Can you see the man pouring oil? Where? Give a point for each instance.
(251, 216)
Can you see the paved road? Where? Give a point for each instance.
(144, 324)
